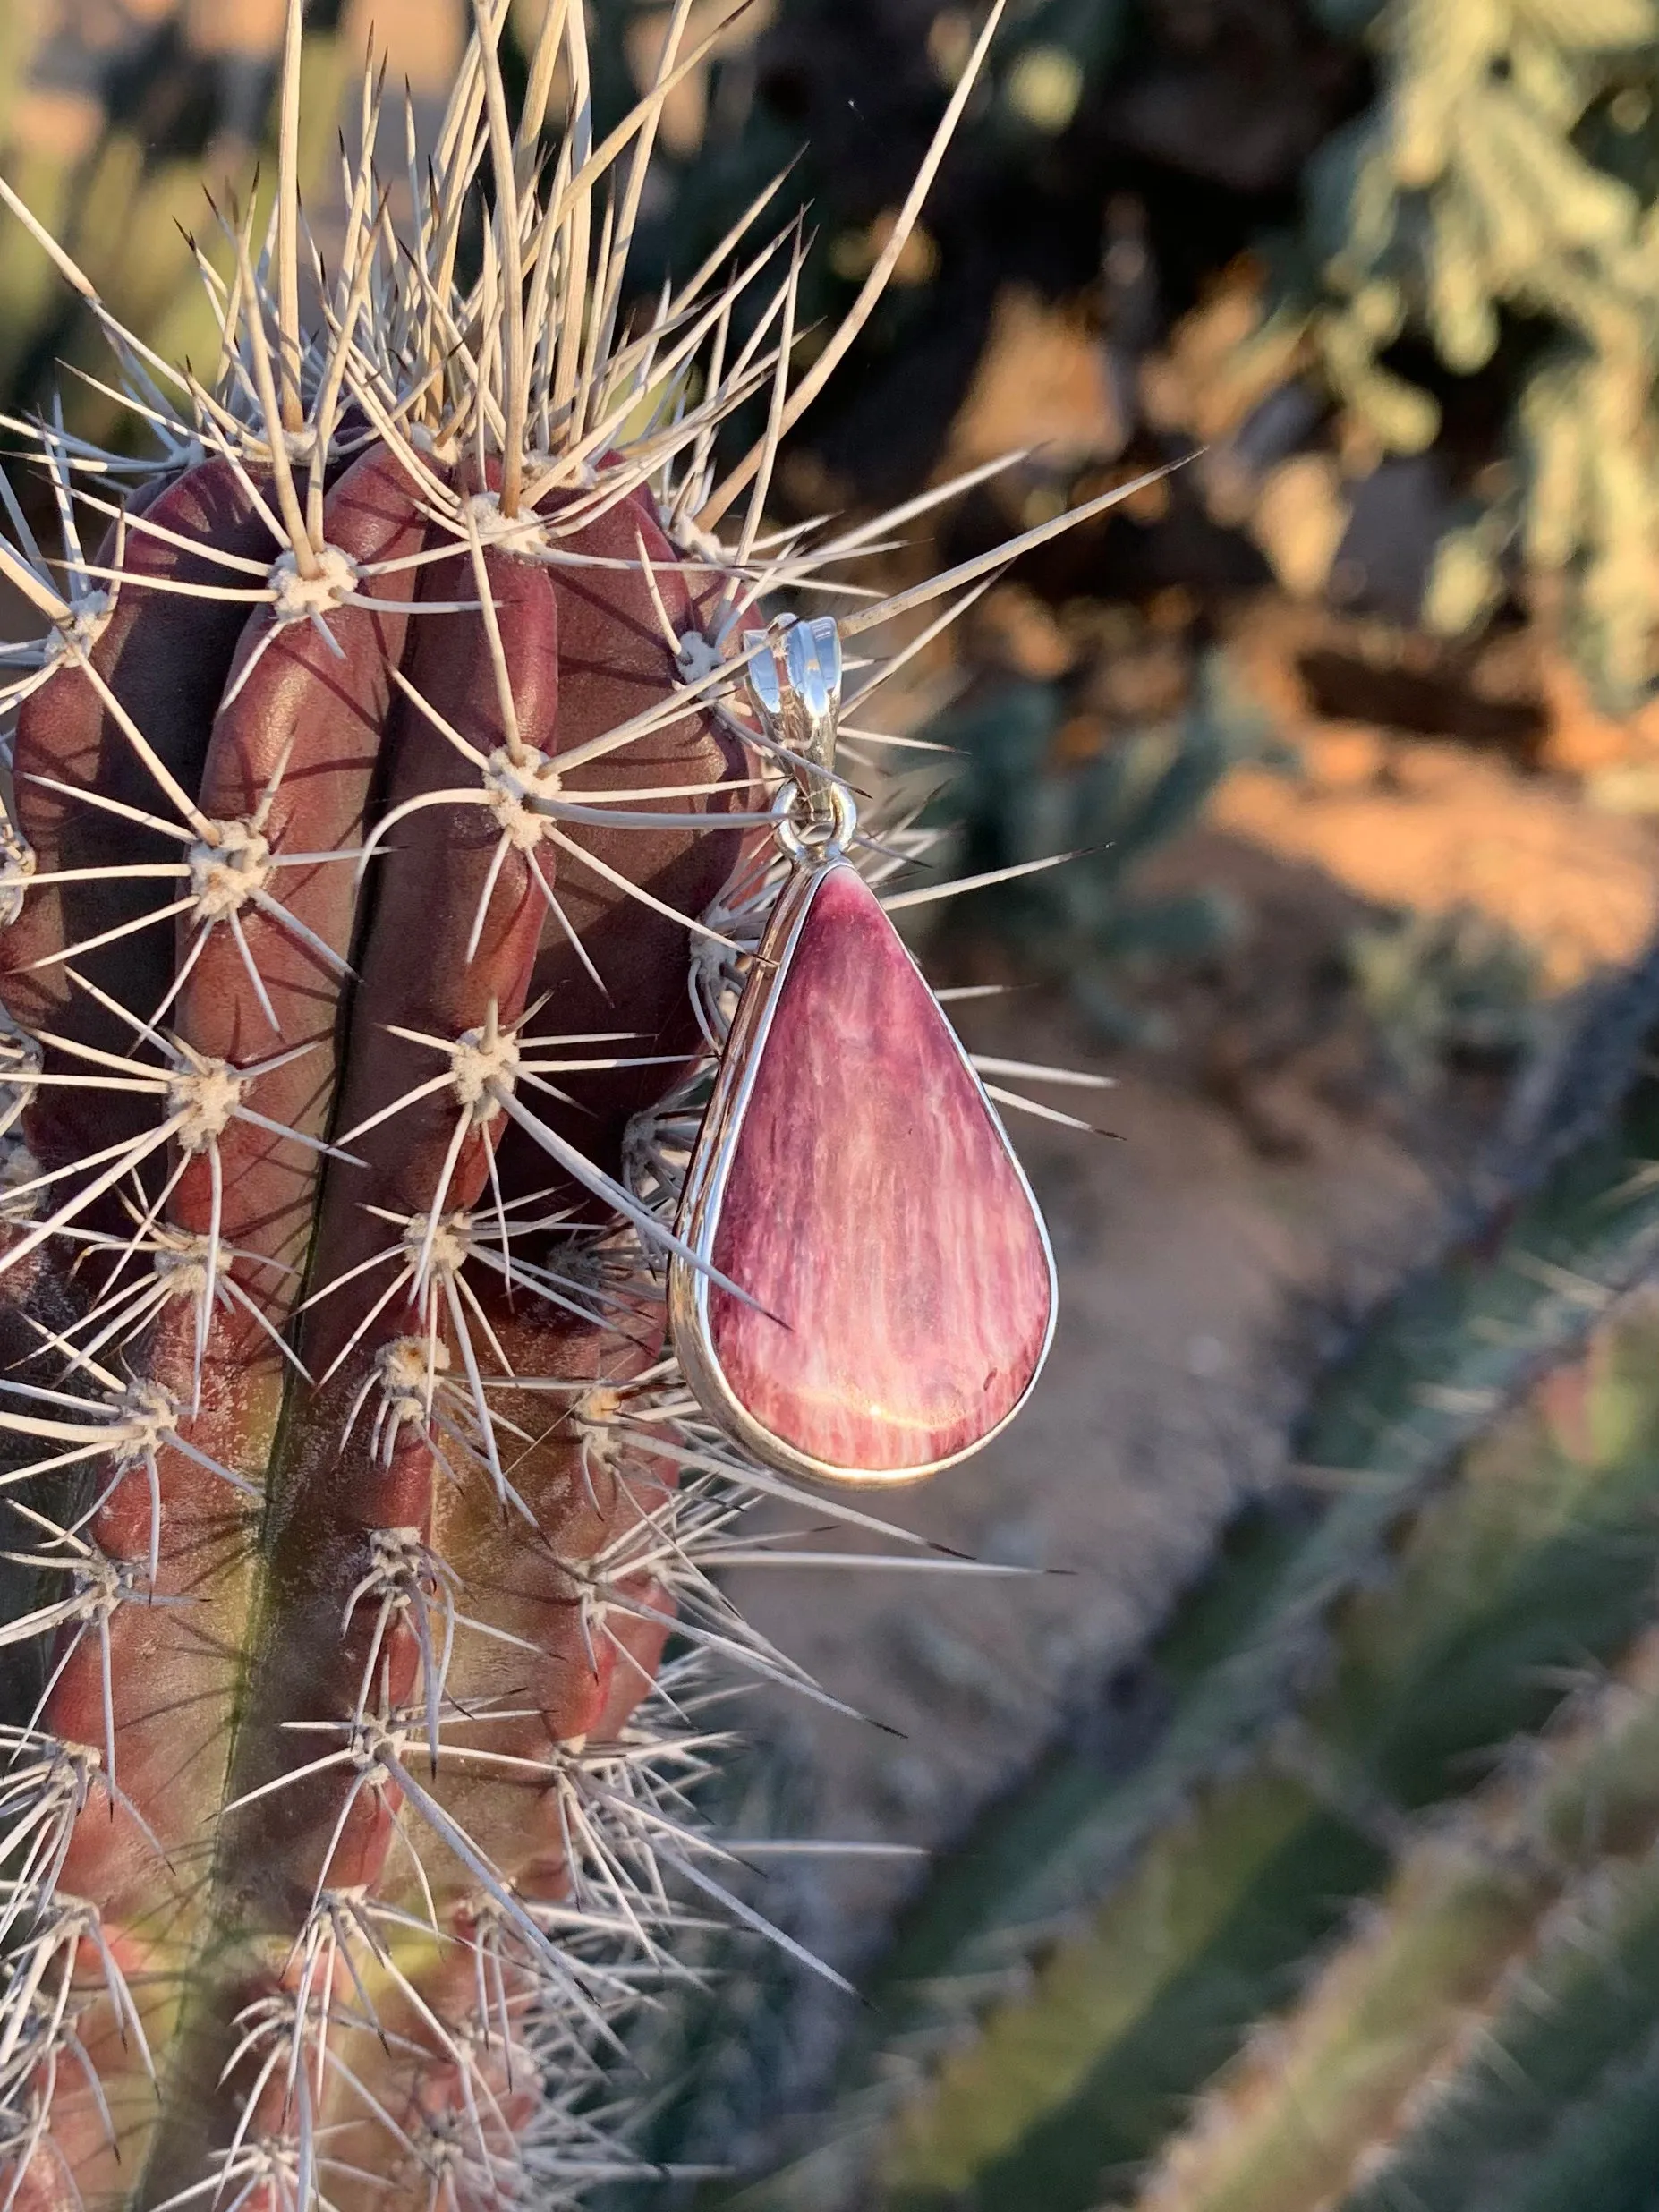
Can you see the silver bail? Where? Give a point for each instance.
(796, 690)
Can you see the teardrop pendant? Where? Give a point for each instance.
(855, 1181)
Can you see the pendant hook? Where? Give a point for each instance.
(795, 683)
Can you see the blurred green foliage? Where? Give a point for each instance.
(1086, 924)
(1453, 209)
(1441, 988)
(123, 128)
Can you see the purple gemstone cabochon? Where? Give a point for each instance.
(871, 1202)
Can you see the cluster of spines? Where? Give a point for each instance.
(389, 838)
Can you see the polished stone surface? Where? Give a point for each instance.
(872, 1205)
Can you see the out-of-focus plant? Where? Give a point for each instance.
(1019, 800)
(1469, 271)
(1444, 987)
(1501, 198)
(112, 120)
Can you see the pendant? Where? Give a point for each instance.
(851, 1177)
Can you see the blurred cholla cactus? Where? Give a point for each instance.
(1438, 987)
(1508, 165)
(1495, 203)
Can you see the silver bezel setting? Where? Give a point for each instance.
(701, 1201)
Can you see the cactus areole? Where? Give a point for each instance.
(471, 1125)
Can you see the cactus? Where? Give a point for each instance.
(352, 1051)
(1330, 1699)
(1437, 986)
(1535, 1561)
(1499, 191)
